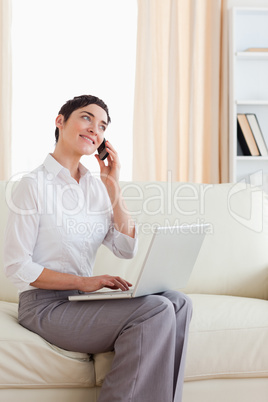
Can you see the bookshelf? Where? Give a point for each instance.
(248, 85)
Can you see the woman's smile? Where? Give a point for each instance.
(88, 139)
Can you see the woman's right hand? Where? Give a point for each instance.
(93, 283)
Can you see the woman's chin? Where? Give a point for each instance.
(88, 152)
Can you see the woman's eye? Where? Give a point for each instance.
(103, 128)
(86, 118)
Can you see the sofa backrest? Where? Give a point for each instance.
(234, 256)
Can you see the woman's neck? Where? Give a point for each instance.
(69, 162)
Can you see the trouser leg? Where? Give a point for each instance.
(143, 365)
(169, 364)
(183, 311)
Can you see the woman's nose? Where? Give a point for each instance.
(93, 129)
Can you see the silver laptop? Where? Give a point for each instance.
(168, 263)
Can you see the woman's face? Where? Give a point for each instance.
(84, 131)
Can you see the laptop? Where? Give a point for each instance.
(168, 263)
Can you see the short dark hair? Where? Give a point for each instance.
(76, 103)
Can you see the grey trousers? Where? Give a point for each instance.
(148, 335)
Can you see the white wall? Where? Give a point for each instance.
(65, 48)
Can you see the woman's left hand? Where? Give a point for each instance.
(110, 173)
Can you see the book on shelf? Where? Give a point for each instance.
(255, 128)
(245, 136)
(239, 150)
(257, 49)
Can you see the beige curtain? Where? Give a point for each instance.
(181, 104)
(5, 93)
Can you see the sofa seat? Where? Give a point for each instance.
(232, 333)
(35, 363)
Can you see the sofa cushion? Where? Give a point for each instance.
(228, 338)
(103, 364)
(28, 361)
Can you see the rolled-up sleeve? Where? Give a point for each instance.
(123, 246)
(20, 235)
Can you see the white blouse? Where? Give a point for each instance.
(56, 223)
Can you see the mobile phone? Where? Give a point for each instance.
(102, 151)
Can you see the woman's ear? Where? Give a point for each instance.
(59, 121)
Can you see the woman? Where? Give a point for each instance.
(49, 258)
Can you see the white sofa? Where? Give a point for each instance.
(227, 356)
